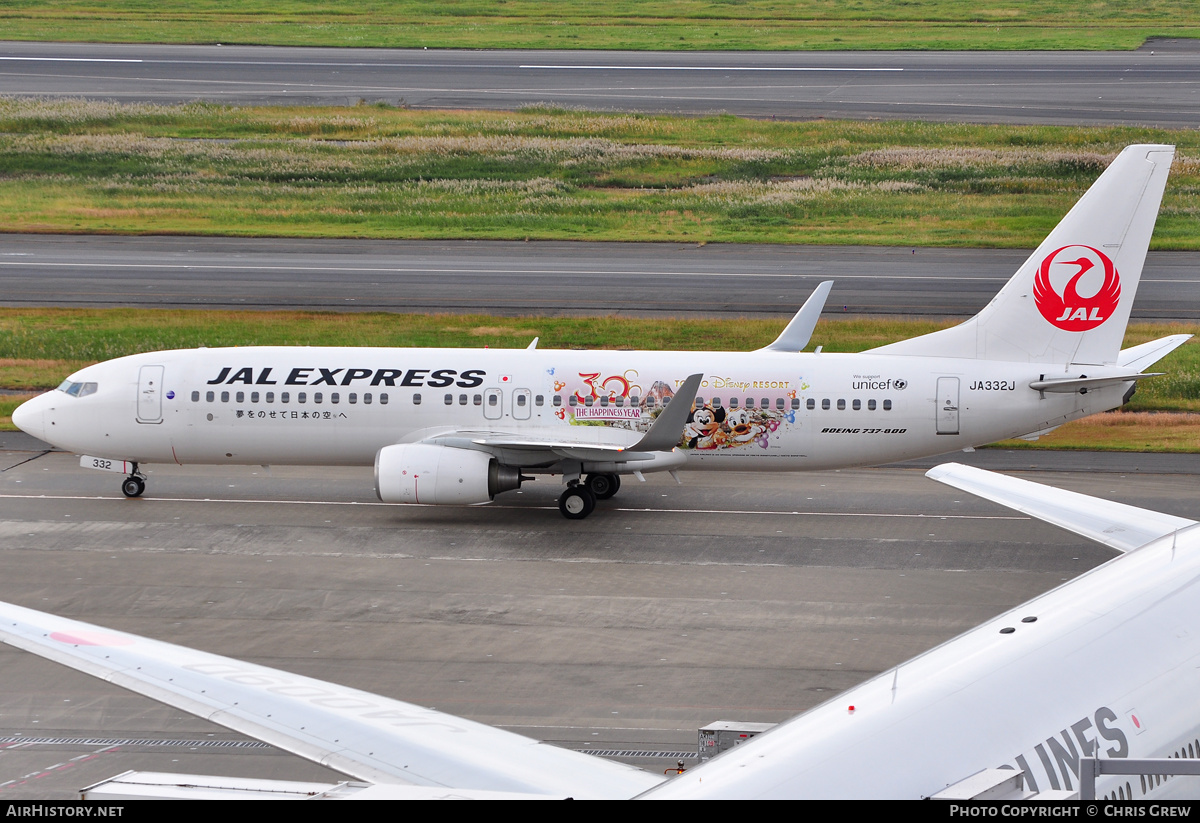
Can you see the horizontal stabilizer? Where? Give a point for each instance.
(1147, 354)
(1115, 525)
(361, 734)
(798, 332)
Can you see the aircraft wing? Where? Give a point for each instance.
(361, 734)
(599, 444)
(1115, 525)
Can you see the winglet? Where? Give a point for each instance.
(667, 428)
(798, 332)
(1116, 525)
(532, 345)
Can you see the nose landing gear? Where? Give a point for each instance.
(134, 484)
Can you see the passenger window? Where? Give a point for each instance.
(383, 399)
(796, 403)
(301, 397)
(620, 401)
(366, 398)
(210, 397)
(841, 404)
(449, 400)
(603, 401)
(887, 405)
(522, 401)
(779, 403)
(240, 397)
(572, 400)
(253, 397)
(633, 400)
(478, 400)
(857, 405)
(318, 397)
(557, 400)
(812, 404)
(195, 397)
(224, 397)
(417, 399)
(870, 405)
(716, 402)
(462, 400)
(825, 404)
(733, 402)
(352, 398)
(285, 397)
(334, 397)
(270, 397)
(539, 400)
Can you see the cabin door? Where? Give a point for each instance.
(947, 405)
(149, 404)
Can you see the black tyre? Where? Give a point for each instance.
(133, 486)
(577, 502)
(604, 486)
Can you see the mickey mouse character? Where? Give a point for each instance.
(703, 429)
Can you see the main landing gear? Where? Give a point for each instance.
(134, 484)
(578, 500)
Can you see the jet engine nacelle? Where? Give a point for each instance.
(421, 473)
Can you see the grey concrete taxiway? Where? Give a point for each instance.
(732, 596)
(1158, 85)
(514, 278)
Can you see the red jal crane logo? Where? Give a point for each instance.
(1068, 310)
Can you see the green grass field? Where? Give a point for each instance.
(619, 24)
(370, 171)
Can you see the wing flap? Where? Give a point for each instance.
(364, 735)
(1116, 525)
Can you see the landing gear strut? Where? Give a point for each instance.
(604, 486)
(576, 502)
(134, 484)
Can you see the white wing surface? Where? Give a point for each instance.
(361, 734)
(1116, 525)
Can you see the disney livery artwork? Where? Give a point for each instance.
(459, 426)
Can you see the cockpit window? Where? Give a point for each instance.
(77, 389)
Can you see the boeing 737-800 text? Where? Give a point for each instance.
(458, 426)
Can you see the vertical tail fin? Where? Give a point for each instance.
(1070, 301)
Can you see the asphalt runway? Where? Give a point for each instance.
(514, 278)
(1158, 85)
(731, 597)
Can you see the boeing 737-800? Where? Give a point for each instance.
(458, 426)
(1103, 666)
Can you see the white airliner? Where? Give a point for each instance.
(459, 426)
(1103, 666)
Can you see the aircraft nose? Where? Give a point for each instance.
(30, 417)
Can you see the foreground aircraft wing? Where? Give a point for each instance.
(1114, 524)
(361, 734)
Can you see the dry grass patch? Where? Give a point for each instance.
(1122, 431)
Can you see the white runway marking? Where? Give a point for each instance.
(709, 68)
